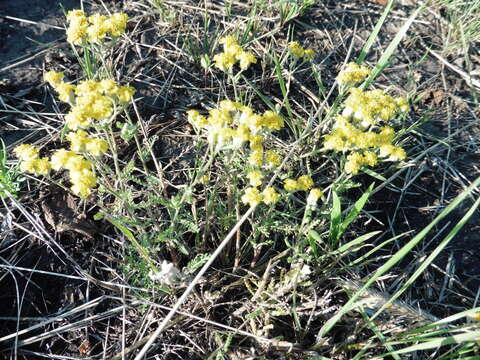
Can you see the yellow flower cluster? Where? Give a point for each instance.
(30, 161)
(371, 107)
(90, 100)
(304, 183)
(298, 51)
(234, 124)
(94, 28)
(231, 125)
(253, 196)
(81, 142)
(353, 74)
(233, 53)
(80, 170)
(358, 129)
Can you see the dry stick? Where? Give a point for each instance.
(466, 76)
(194, 282)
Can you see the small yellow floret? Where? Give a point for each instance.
(305, 182)
(290, 185)
(60, 158)
(96, 146)
(252, 196)
(309, 54)
(26, 152)
(65, 91)
(125, 93)
(255, 177)
(196, 119)
(77, 163)
(53, 77)
(256, 157)
(37, 166)
(272, 158)
(313, 196)
(116, 24)
(83, 181)
(353, 74)
(224, 61)
(77, 119)
(78, 140)
(272, 120)
(228, 41)
(246, 58)
(296, 49)
(270, 196)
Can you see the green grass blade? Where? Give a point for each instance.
(396, 258)
(384, 59)
(374, 34)
(353, 214)
(335, 216)
(436, 343)
(431, 257)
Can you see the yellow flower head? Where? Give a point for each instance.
(109, 87)
(255, 177)
(229, 105)
(309, 54)
(272, 158)
(116, 24)
(98, 27)
(53, 77)
(252, 196)
(26, 152)
(246, 58)
(228, 41)
(78, 25)
(83, 181)
(196, 119)
(296, 49)
(37, 166)
(313, 196)
(353, 74)
(256, 143)
(42, 166)
(224, 61)
(78, 140)
(305, 182)
(256, 157)
(96, 146)
(125, 93)
(60, 158)
(272, 120)
(354, 162)
(77, 119)
(290, 185)
(65, 91)
(393, 153)
(270, 196)
(77, 163)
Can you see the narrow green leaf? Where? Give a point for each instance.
(395, 259)
(384, 59)
(431, 257)
(335, 216)
(353, 214)
(374, 34)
